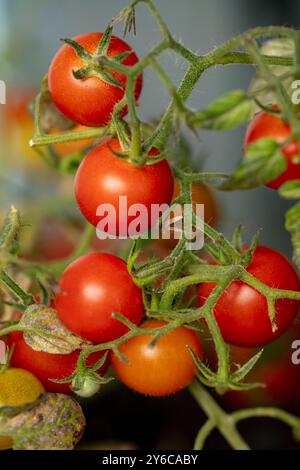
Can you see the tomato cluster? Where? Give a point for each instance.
(97, 286)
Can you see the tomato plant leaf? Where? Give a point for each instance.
(263, 162)
(290, 189)
(226, 112)
(52, 422)
(43, 331)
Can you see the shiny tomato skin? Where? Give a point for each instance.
(265, 125)
(102, 178)
(241, 311)
(88, 101)
(47, 366)
(91, 289)
(162, 370)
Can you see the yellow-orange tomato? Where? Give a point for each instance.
(163, 369)
(17, 387)
(71, 147)
(19, 128)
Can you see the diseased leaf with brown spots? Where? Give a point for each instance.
(53, 422)
(43, 331)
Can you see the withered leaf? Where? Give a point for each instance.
(52, 422)
(43, 331)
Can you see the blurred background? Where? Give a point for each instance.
(29, 37)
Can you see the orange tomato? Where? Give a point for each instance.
(163, 369)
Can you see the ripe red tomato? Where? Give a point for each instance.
(88, 101)
(241, 311)
(162, 370)
(47, 366)
(102, 178)
(269, 125)
(93, 288)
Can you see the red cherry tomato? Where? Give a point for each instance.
(269, 125)
(102, 178)
(162, 370)
(89, 101)
(93, 288)
(241, 311)
(47, 366)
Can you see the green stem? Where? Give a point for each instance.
(244, 58)
(135, 148)
(10, 329)
(202, 63)
(218, 417)
(27, 299)
(50, 139)
(267, 412)
(187, 84)
(268, 292)
(203, 434)
(209, 273)
(134, 331)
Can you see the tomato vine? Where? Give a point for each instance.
(181, 268)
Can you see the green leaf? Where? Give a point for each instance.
(290, 189)
(43, 331)
(226, 112)
(53, 422)
(263, 162)
(292, 224)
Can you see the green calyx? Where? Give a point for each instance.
(95, 63)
